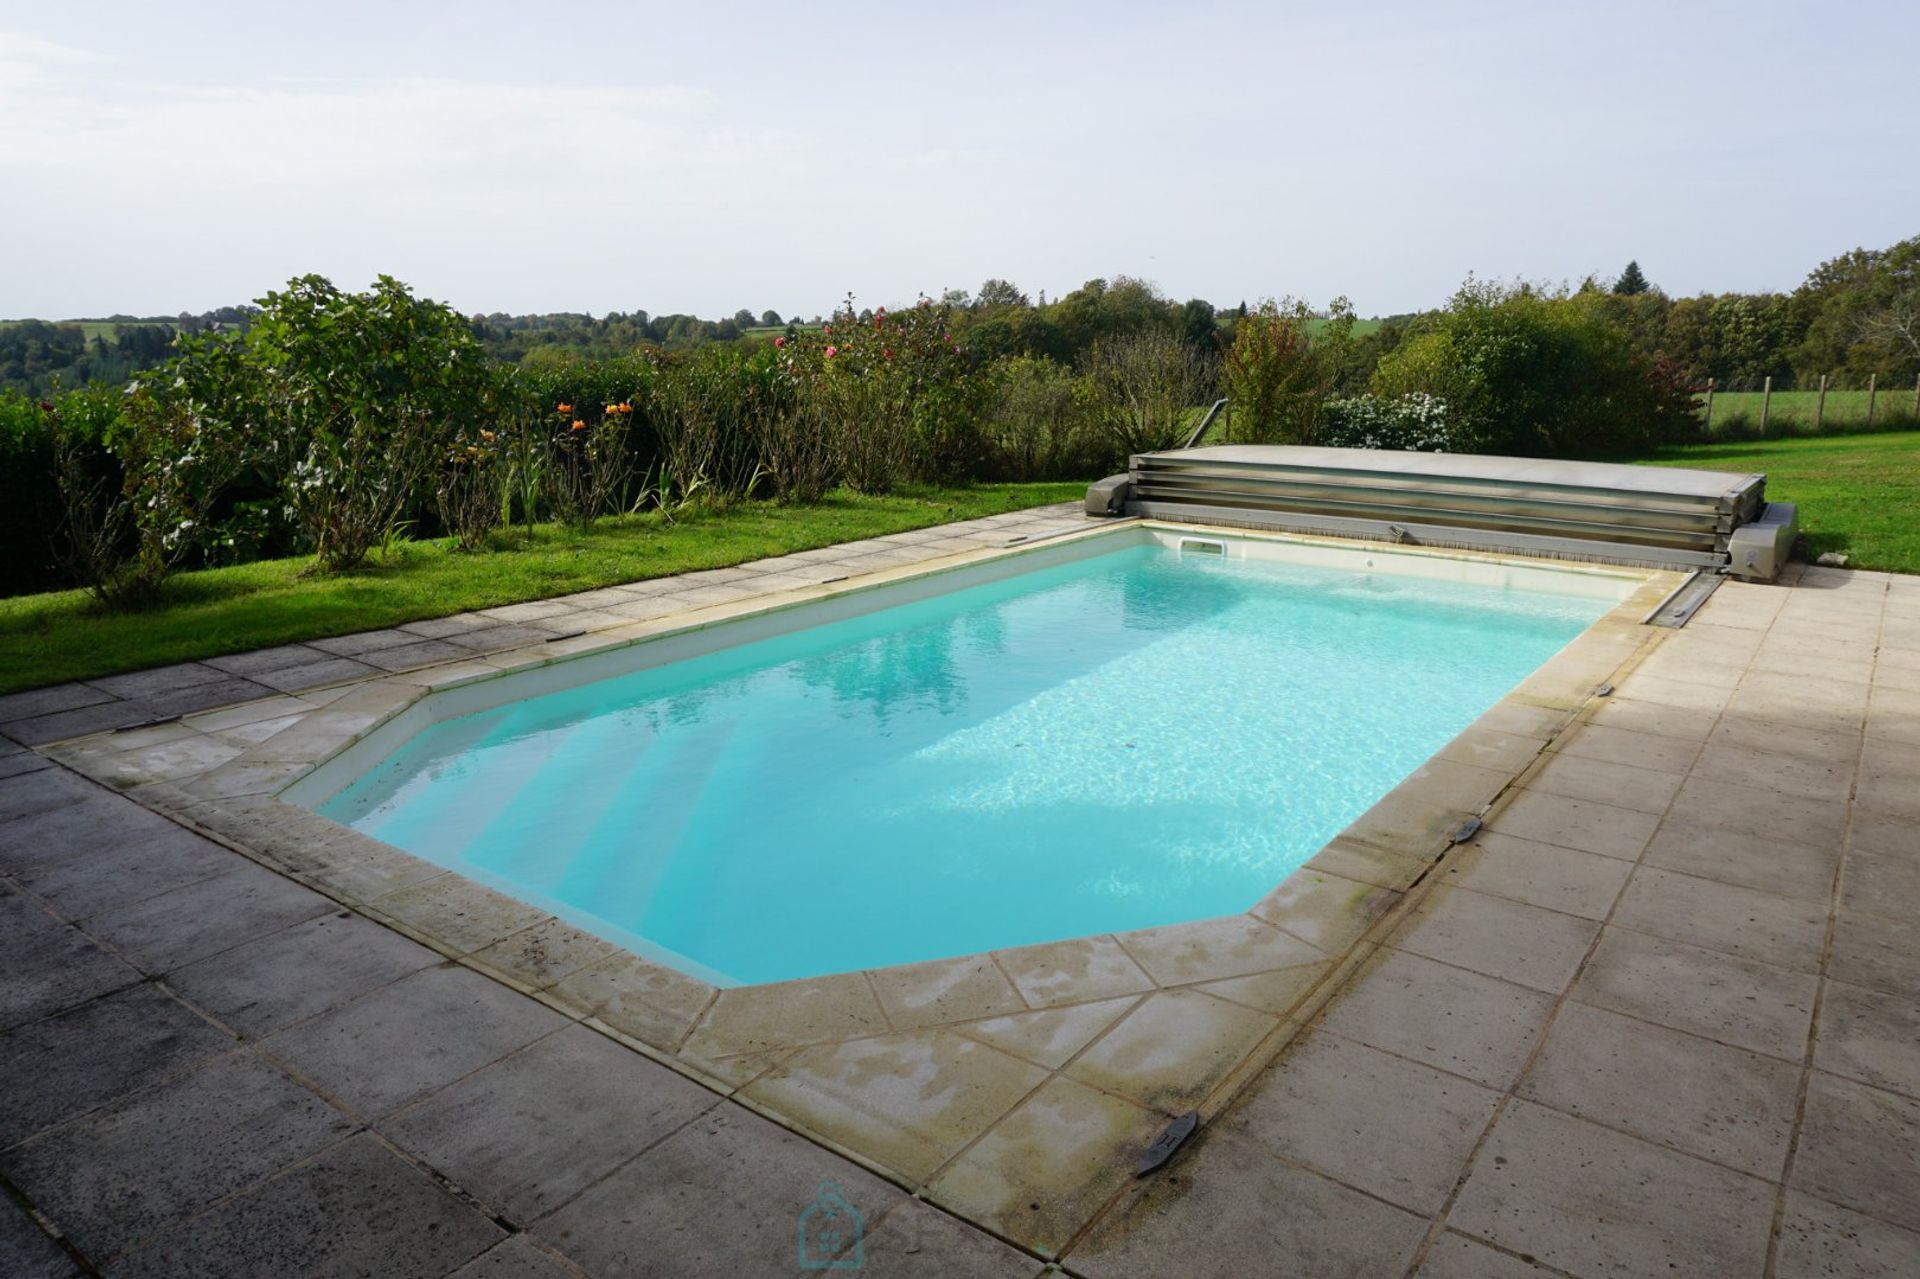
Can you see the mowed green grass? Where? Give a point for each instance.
(60, 636)
(1859, 494)
(1802, 408)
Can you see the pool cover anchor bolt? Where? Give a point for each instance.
(1171, 1138)
(1464, 831)
(1603, 689)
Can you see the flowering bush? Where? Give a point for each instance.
(894, 395)
(1415, 421)
(588, 461)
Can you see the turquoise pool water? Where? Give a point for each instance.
(1135, 739)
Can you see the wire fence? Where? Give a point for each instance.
(1765, 410)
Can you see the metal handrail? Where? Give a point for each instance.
(1205, 422)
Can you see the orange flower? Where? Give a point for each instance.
(578, 425)
(564, 408)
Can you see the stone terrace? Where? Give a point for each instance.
(1662, 1016)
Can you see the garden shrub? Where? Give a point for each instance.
(1277, 376)
(360, 393)
(1538, 374)
(1039, 422)
(1144, 386)
(1416, 422)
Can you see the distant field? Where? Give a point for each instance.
(1360, 327)
(1800, 407)
(1856, 493)
(107, 329)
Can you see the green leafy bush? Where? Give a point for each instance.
(1538, 374)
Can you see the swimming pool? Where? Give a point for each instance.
(1133, 738)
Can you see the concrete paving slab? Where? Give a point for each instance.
(1458, 1257)
(197, 697)
(261, 660)
(1049, 1037)
(298, 972)
(1877, 951)
(1043, 1172)
(36, 793)
(650, 1002)
(911, 1100)
(1073, 971)
(918, 1241)
(544, 954)
(1602, 781)
(63, 1066)
(1860, 1146)
(37, 702)
(206, 917)
(1720, 1103)
(51, 966)
(945, 990)
(100, 718)
(1736, 1001)
(1831, 1242)
(456, 910)
(516, 1257)
(1381, 1123)
(1624, 746)
(27, 1251)
(529, 1132)
(1764, 862)
(428, 1029)
(1591, 1201)
(1655, 718)
(357, 1209)
(722, 1197)
(1447, 1017)
(1501, 938)
(1606, 829)
(334, 670)
(749, 1019)
(19, 760)
(141, 685)
(422, 652)
(127, 1171)
(1871, 1036)
(1561, 879)
(361, 642)
(1740, 921)
(1228, 1212)
(1173, 1049)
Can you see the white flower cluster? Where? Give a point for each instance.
(1416, 422)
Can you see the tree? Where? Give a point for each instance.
(743, 319)
(771, 319)
(1631, 281)
(997, 292)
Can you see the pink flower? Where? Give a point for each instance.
(832, 351)
(779, 342)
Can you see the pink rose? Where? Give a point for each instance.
(832, 351)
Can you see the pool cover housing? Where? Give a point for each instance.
(1662, 517)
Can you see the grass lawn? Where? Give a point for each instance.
(1857, 493)
(51, 638)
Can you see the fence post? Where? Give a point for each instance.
(1871, 379)
(1916, 395)
(1708, 428)
(1766, 403)
(1820, 410)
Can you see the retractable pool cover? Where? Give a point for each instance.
(1664, 517)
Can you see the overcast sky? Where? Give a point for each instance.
(708, 156)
